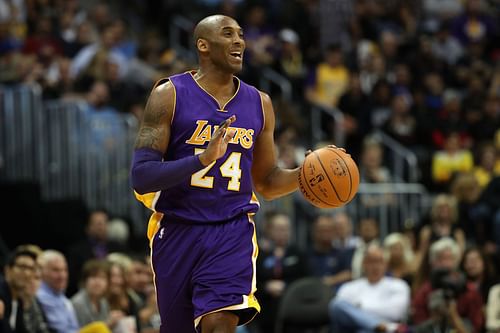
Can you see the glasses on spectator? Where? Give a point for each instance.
(25, 267)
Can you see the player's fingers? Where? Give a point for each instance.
(335, 147)
(230, 133)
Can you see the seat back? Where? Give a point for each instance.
(304, 305)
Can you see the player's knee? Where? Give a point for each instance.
(219, 322)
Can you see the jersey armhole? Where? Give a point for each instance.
(263, 111)
(165, 80)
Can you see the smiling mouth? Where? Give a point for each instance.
(237, 55)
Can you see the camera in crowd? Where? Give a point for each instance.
(452, 282)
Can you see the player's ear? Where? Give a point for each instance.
(202, 45)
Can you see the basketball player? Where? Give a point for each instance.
(205, 142)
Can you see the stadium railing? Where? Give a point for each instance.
(70, 150)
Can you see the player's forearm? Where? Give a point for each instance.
(278, 183)
(150, 174)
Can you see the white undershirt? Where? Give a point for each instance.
(389, 298)
(13, 315)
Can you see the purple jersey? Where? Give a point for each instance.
(224, 189)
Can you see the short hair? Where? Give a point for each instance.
(395, 238)
(444, 199)
(94, 266)
(49, 255)
(19, 252)
(445, 243)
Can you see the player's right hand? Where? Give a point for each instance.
(218, 144)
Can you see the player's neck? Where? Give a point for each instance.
(215, 82)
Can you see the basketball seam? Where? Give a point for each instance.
(349, 171)
(327, 176)
(311, 191)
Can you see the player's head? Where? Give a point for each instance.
(219, 41)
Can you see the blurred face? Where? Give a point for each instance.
(396, 252)
(279, 230)
(97, 284)
(368, 229)
(374, 265)
(372, 156)
(400, 105)
(342, 226)
(55, 274)
(473, 264)
(20, 275)
(445, 260)
(116, 280)
(444, 212)
(34, 282)
(334, 58)
(138, 277)
(324, 231)
(98, 225)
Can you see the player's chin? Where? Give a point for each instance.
(235, 67)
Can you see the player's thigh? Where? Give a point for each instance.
(222, 321)
(174, 254)
(225, 277)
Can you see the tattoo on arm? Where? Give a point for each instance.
(148, 137)
(152, 128)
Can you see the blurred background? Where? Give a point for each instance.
(410, 88)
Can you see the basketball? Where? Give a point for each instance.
(329, 178)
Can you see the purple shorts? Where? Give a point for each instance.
(204, 268)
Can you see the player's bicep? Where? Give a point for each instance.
(154, 131)
(264, 155)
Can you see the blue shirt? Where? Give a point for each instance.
(58, 309)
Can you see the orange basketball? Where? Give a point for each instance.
(329, 178)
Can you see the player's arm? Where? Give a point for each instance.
(270, 180)
(149, 173)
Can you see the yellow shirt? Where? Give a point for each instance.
(483, 176)
(331, 83)
(445, 164)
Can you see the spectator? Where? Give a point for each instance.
(277, 267)
(466, 190)
(328, 80)
(90, 301)
(374, 303)
(493, 310)
(344, 234)
(488, 165)
(465, 307)
(95, 245)
(19, 271)
(369, 233)
(331, 264)
(401, 263)
(443, 223)
(35, 319)
(118, 297)
(60, 313)
(479, 270)
(356, 107)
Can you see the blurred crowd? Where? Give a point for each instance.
(426, 73)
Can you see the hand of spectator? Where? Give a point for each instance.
(275, 287)
(425, 237)
(114, 317)
(454, 317)
(2, 309)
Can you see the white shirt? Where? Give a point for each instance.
(389, 298)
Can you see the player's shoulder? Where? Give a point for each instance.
(251, 87)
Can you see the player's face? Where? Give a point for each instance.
(227, 46)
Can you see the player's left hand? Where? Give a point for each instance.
(218, 144)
